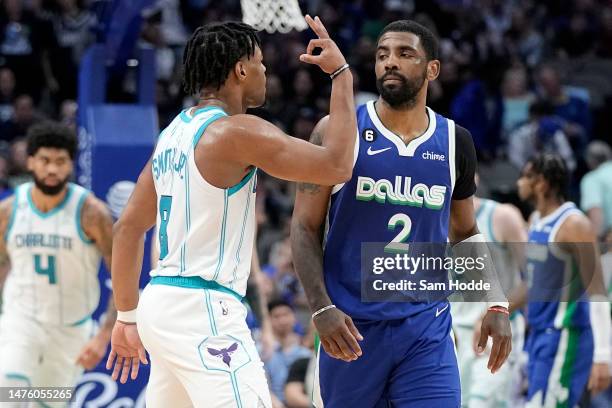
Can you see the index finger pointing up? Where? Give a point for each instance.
(317, 26)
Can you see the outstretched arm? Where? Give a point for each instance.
(97, 224)
(337, 331)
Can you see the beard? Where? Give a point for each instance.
(47, 189)
(402, 95)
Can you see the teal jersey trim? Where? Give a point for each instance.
(244, 220)
(187, 119)
(236, 389)
(202, 128)
(211, 313)
(81, 322)
(53, 211)
(14, 206)
(245, 180)
(193, 282)
(79, 213)
(18, 376)
(223, 227)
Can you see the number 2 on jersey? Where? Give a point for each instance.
(165, 205)
(49, 270)
(398, 244)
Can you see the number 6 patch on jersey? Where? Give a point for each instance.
(223, 353)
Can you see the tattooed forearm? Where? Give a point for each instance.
(309, 188)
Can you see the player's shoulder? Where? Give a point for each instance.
(6, 205)
(575, 227)
(92, 206)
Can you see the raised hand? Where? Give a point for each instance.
(330, 58)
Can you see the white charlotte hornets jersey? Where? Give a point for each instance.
(54, 266)
(203, 230)
(506, 266)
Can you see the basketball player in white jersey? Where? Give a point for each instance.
(504, 229)
(54, 234)
(199, 187)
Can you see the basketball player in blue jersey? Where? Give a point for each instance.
(199, 188)
(569, 339)
(413, 181)
(53, 233)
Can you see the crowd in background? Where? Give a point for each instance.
(523, 76)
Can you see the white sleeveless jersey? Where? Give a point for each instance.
(54, 266)
(203, 230)
(506, 266)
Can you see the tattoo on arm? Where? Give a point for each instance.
(98, 226)
(315, 138)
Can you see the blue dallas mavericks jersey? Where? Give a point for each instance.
(556, 293)
(398, 194)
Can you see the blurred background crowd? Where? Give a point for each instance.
(523, 76)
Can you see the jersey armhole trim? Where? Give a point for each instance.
(235, 188)
(14, 206)
(202, 128)
(79, 212)
(451, 153)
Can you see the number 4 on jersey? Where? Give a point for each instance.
(48, 270)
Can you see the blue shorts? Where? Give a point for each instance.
(405, 363)
(559, 366)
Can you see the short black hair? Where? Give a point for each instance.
(273, 304)
(553, 169)
(51, 134)
(212, 52)
(428, 39)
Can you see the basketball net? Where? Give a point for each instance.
(273, 15)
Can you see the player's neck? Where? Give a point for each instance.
(230, 102)
(45, 203)
(408, 123)
(547, 205)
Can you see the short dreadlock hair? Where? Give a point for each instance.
(553, 169)
(212, 52)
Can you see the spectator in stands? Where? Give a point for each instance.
(68, 114)
(596, 186)
(300, 380)
(72, 25)
(516, 100)
(288, 349)
(7, 94)
(25, 40)
(24, 116)
(19, 173)
(574, 110)
(542, 134)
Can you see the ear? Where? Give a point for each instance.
(30, 163)
(240, 70)
(433, 70)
